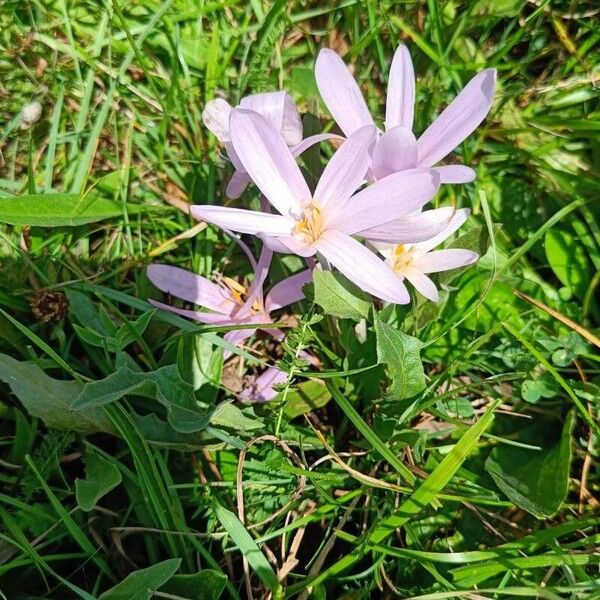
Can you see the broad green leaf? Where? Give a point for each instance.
(167, 387)
(101, 477)
(401, 354)
(207, 584)
(59, 210)
(49, 399)
(141, 584)
(164, 385)
(339, 297)
(247, 546)
(536, 481)
(567, 258)
(230, 416)
(305, 397)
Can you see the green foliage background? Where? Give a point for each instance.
(448, 450)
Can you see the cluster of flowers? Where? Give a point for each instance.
(395, 175)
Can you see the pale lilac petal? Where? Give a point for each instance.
(268, 160)
(244, 221)
(288, 245)
(243, 246)
(262, 388)
(458, 120)
(238, 336)
(237, 184)
(260, 274)
(362, 266)
(190, 287)
(234, 158)
(269, 105)
(291, 125)
(458, 217)
(341, 93)
(422, 284)
(311, 140)
(400, 103)
(396, 150)
(288, 291)
(387, 199)
(216, 118)
(203, 317)
(346, 169)
(445, 260)
(412, 228)
(455, 174)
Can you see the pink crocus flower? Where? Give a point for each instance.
(397, 148)
(323, 222)
(278, 109)
(261, 389)
(229, 302)
(415, 261)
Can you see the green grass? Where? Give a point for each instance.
(366, 477)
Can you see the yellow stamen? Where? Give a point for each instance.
(402, 257)
(310, 224)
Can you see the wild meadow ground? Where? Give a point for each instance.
(434, 450)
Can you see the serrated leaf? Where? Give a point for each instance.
(339, 297)
(59, 210)
(49, 399)
(141, 584)
(535, 480)
(102, 476)
(401, 354)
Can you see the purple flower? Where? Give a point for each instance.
(397, 149)
(261, 389)
(278, 109)
(323, 222)
(229, 302)
(415, 261)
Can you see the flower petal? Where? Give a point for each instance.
(412, 228)
(190, 287)
(455, 174)
(242, 220)
(445, 260)
(279, 110)
(203, 317)
(288, 291)
(237, 336)
(289, 245)
(268, 160)
(341, 93)
(291, 125)
(237, 184)
(454, 222)
(262, 388)
(362, 266)
(311, 140)
(396, 150)
(260, 274)
(346, 170)
(386, 200)
(422, 284)
(400, 103)
(216, 118)
(458, 120)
